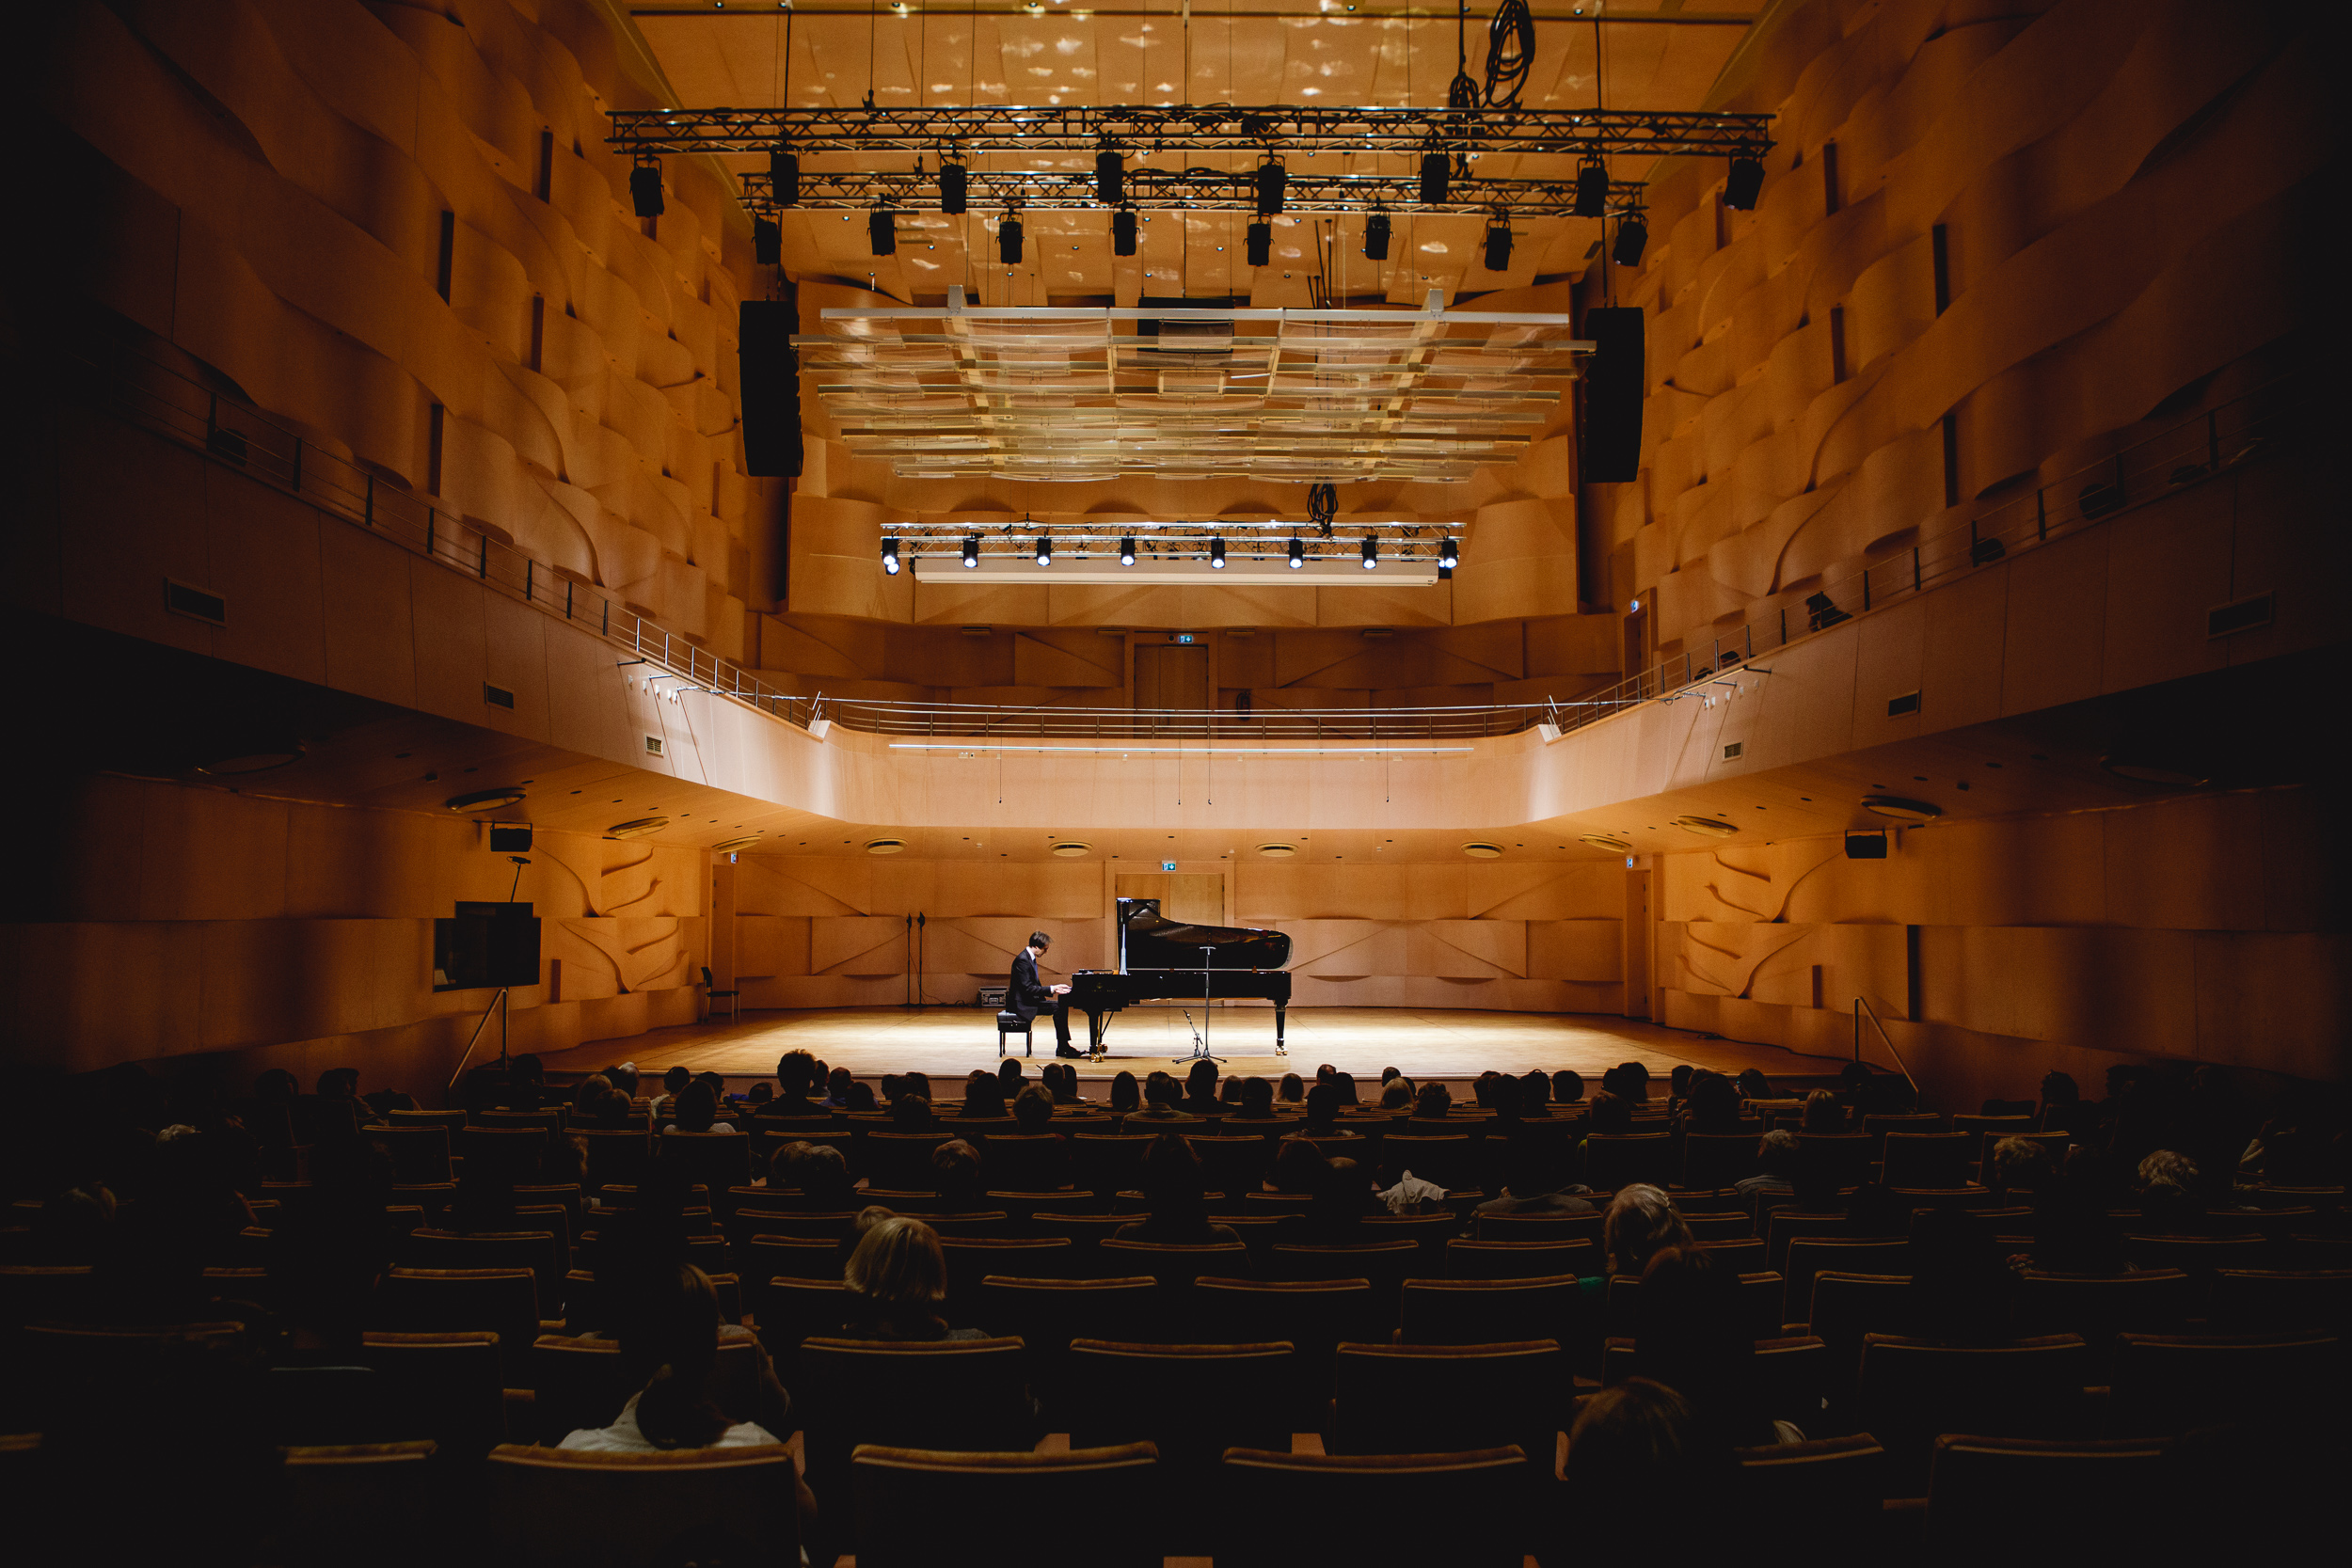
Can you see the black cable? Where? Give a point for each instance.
(1461, 93)
(1323, 504)
(1510, 53)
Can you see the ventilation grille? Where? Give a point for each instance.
(1906, 703)
(496, 696)
(1731, 753)
(653, 745)
(197, 604)
(2243, 615)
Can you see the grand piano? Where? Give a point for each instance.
(1161, 960)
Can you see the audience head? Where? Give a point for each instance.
(897, 1276)
(2059, 1088)
(1753, 1084)
(1292, 1090)
(697, 1108)
(1124, 1095)
(1611, 1113)
(527, 1068)
(340, 1082)
(1323, 1104)
(1639, 1223)
(1298, 1166)
(1325, 1072)
(1534, 1091)
(1159, 1088)
(1823, 1114)
(675, 1080)
(983, 1096)
(910, 1110)
(2168, 1191)
(1009, 1075)
(1034, 1109)
(1343, 1192)
(796, 1074)
(1691, 1336)
(1397, 1095)
(1433, 1103)
(760, 1092)
(1389, 1072)
(892, 1085)
(1567, 1086)
(1172, 1182)
(1345, 1083)
(1777, 1154)
(2023, 1163)
(838, 1084)
(670, 1338)
(1230, 1092)
(623, 1078)
(716, 1084)
(916, 1083)
(1714, 1103)
(1639, 1458)
(819, 1171)
(1678, 1080)
(862, 1098)
(1629, 1080)
(1523, 1166)
(277, 1087)
(956, 1171)
(1257, 1098)
(1200, 1082)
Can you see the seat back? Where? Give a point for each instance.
(1467, 1509)
(1834, 1483)
(1046, 1314)
(2250, 1301)
(1744, 1255)
(1383, 1264)
(2169, 1385)
(916, 1508)
(45, 1293)
(716, 1160)
(321, 1491)
(2074, 1500)
(1780, 1227)
(1615, 1159)
(2098, 1306)
(1027, 1162)
(1540, 1227)
(615, 1155)
(1174, 1264)
(1807, 1255)
(1521, 1260)
(2198, 1256)
(1844, 1308)
(1759, 1304)
(1190, 1402)
(1107, 1162)
(1719, 1159)
(535, 1250)
(561, 1507)
(503, 1155)
(1913, 1390)
(973, 1259)
(1444, 1158)
(504, 1302)
(1314, 1316)
(1401, 1399)
(1482, 1311)
(800, 1256)
(964, 1394)
(415, 1153)
(450, 1388)
(1834, 1160)
(1927, 1159)
(790, 1311)
(900, 1160)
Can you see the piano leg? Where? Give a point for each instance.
(1279, 1009)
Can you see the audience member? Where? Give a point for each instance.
(1293, 1091)
(1823, 1114)
(838, 1084)
(1124, 1098)
(1534, 1094)
(1611, 1114)
(1160, 1094)
(671, 1341)
(820, 1172)
(1640, 1468)
(1298, 1166)
(983, 1099)
(1434, 1104)
(1177, 1198)
(696, 1111)
(861, 1099)
(957, 1175)
(1690, 1333)
(1753, 1084)
(2168, 1201)
(1713, 1105)
(1009, 1077)
(909, 1113)
(1567, 1086)
(623, 1078)
(1397, 1095)
(1959, 1287)
(1256, 1100)
(1201, 1091)
(1639, 1223)
(673, 1082)
(1776, 1157)
(896, 1282)
(2022, 1164)
(1344, 1084)
(1342, 1198)
(797, 1075)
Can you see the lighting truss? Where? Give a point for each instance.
(1047, 393)
(1145, 129)
(1255, 553)
(1206, 190)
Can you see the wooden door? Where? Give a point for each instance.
(1169, 676)
(1196, 898)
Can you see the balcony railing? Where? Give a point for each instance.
(124, 380)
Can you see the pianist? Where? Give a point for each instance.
(1025, 994)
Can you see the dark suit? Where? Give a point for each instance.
(1027, 995)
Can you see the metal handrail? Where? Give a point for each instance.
(1861, 1006)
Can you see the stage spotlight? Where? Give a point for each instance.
(1371, 551)
(882, 225)
(1273, 181)
(955, 183)
(1449, 554)
(766, 242)
(1127, 551)
(1592, 188)
(1298, 553)
(1110, 177)
(890, 555)
(1123, 231)
(1499, 245)
(1261, 244)
(1045, 549)
(644, 190)
(1632, 237)
(971, 551)
(1009, 240)
(1216, 554)
(1437, 178)
(1745, 183)
(1376, 237)
(784, 176)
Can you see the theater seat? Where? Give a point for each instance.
(2077, 1501)
(1402, 1399)
(368, 1504)
(1521, 1260)
(1482, 1312)
(966, 1395)
(916, 1508)
(1463, 1510)
(1315, 1316)
(2166, 1384)
(1913, 1390)
(1046, 1314)
(1832, 1483)
(551, 1507)
(1189, 1402)
(2249, 1301)
(447, 1388)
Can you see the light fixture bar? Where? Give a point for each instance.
(1194, 571)
(1290, 128)
(1201, 751)
(1162, 190)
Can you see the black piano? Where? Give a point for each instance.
(1161, 960)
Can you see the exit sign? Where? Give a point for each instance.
(1184, 639)
(1167, 865)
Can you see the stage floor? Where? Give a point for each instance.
(1437, 1043)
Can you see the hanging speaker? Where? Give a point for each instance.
(770, 382)
(1612, 396)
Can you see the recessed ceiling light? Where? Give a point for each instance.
(1707, 826)
(252, 762)
(885, 846)
(2151, 773)
(1901, 809)
(1278, 851)
(728, 846)
(637, 827)
(485, 800)
(1479, 850)
(1072, 849)
(1603, 841)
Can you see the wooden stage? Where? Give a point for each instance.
(1423, 1044)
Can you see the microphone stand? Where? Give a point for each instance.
(1199, 1041)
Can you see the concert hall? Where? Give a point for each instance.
(1398, 784)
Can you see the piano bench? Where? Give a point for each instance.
(1011, 1022)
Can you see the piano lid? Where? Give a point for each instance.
(1147, 940)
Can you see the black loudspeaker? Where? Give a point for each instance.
(772, 389)
(510, 837)
(1866, 844)
(1612, 396)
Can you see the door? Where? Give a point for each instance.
(1169, 676)
(1639, 941)
(1197, 899)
